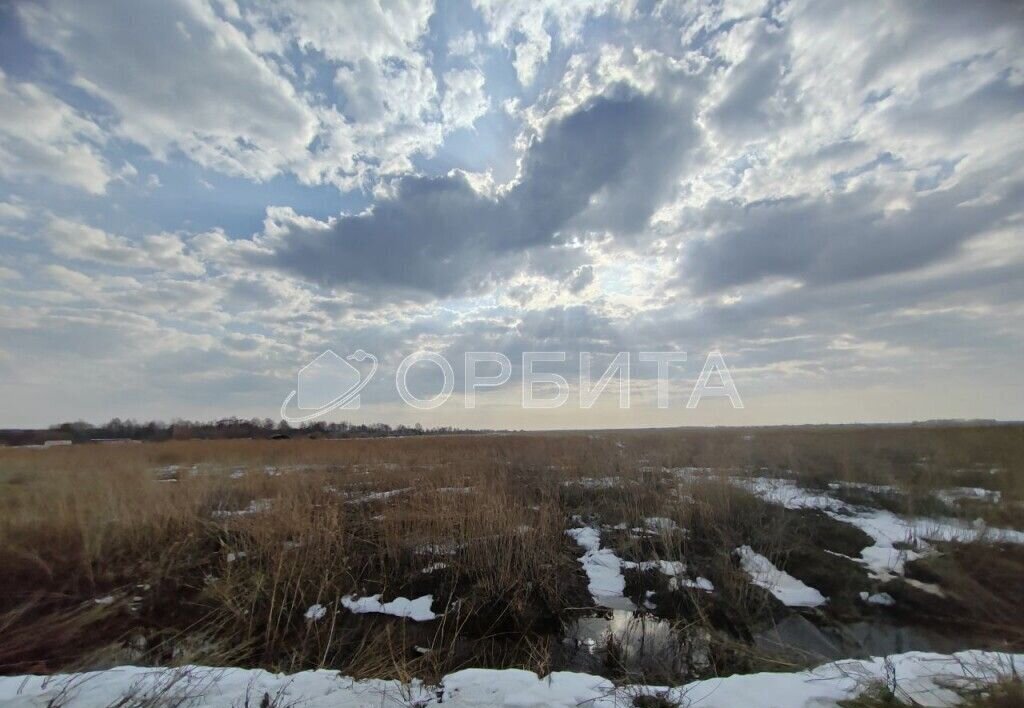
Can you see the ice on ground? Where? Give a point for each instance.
(787, 589)
(603, 569)
(700, 583)
(316, 612)
(788, 494)
(660, 524)
(922, 678)
(449, 548)
(418, 609)
(886, 558)
(235, 555)
(865, 487)
(669, 568)
(690, 472)
(930, 588)
(256, 506)
(378, 496)
(955, 494)
(588, 537)
(105, 600)
(434, 566)
(593, 482)
(676, 572)
(879, 598)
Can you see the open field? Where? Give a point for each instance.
(645, 557)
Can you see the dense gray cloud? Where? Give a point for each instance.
(605, 166)
(846, 236)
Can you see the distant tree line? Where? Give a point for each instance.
(225, 428)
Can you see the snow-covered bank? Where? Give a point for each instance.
(922, 677)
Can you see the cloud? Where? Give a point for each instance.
(179, 78)
(13, 211)
(525, 26)
(464, 99)
(386, 104)
(755, 95)
(581, 279)
(41, 136)
(463, 45)
(827, 191)
(81, 242)
(847, 236)
(439, 236)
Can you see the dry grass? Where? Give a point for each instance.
(212, 550)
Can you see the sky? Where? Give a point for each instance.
(199, 197)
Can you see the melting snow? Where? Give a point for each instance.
(659, 524)
(377, 496)
(701, 583)
(922, 678)
(884, 559)
(675, 570)
(593, 482)
(951, 496)
(316, 612)
(418, 609)
(256, 506)
(790, 591)
(879, 598)
(603, 569)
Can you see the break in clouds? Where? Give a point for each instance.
(199, 197)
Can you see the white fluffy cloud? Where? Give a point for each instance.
(386, 108)
(525, 26)
(41, 136)
(464, 99)
(179, 78)
(80, 242)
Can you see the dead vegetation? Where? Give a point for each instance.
(210, 552)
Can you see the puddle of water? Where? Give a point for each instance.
(798, 638)
(637, 644)
(863, 639)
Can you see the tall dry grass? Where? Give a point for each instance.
(211, 551)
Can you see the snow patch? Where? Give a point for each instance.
(316, 612)
(603, 569)
(952, 496)
(922, 678)
(879, 598)
(418, 609)
(256, 506)
(891, 533)
(378, 496)
(787, 589)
